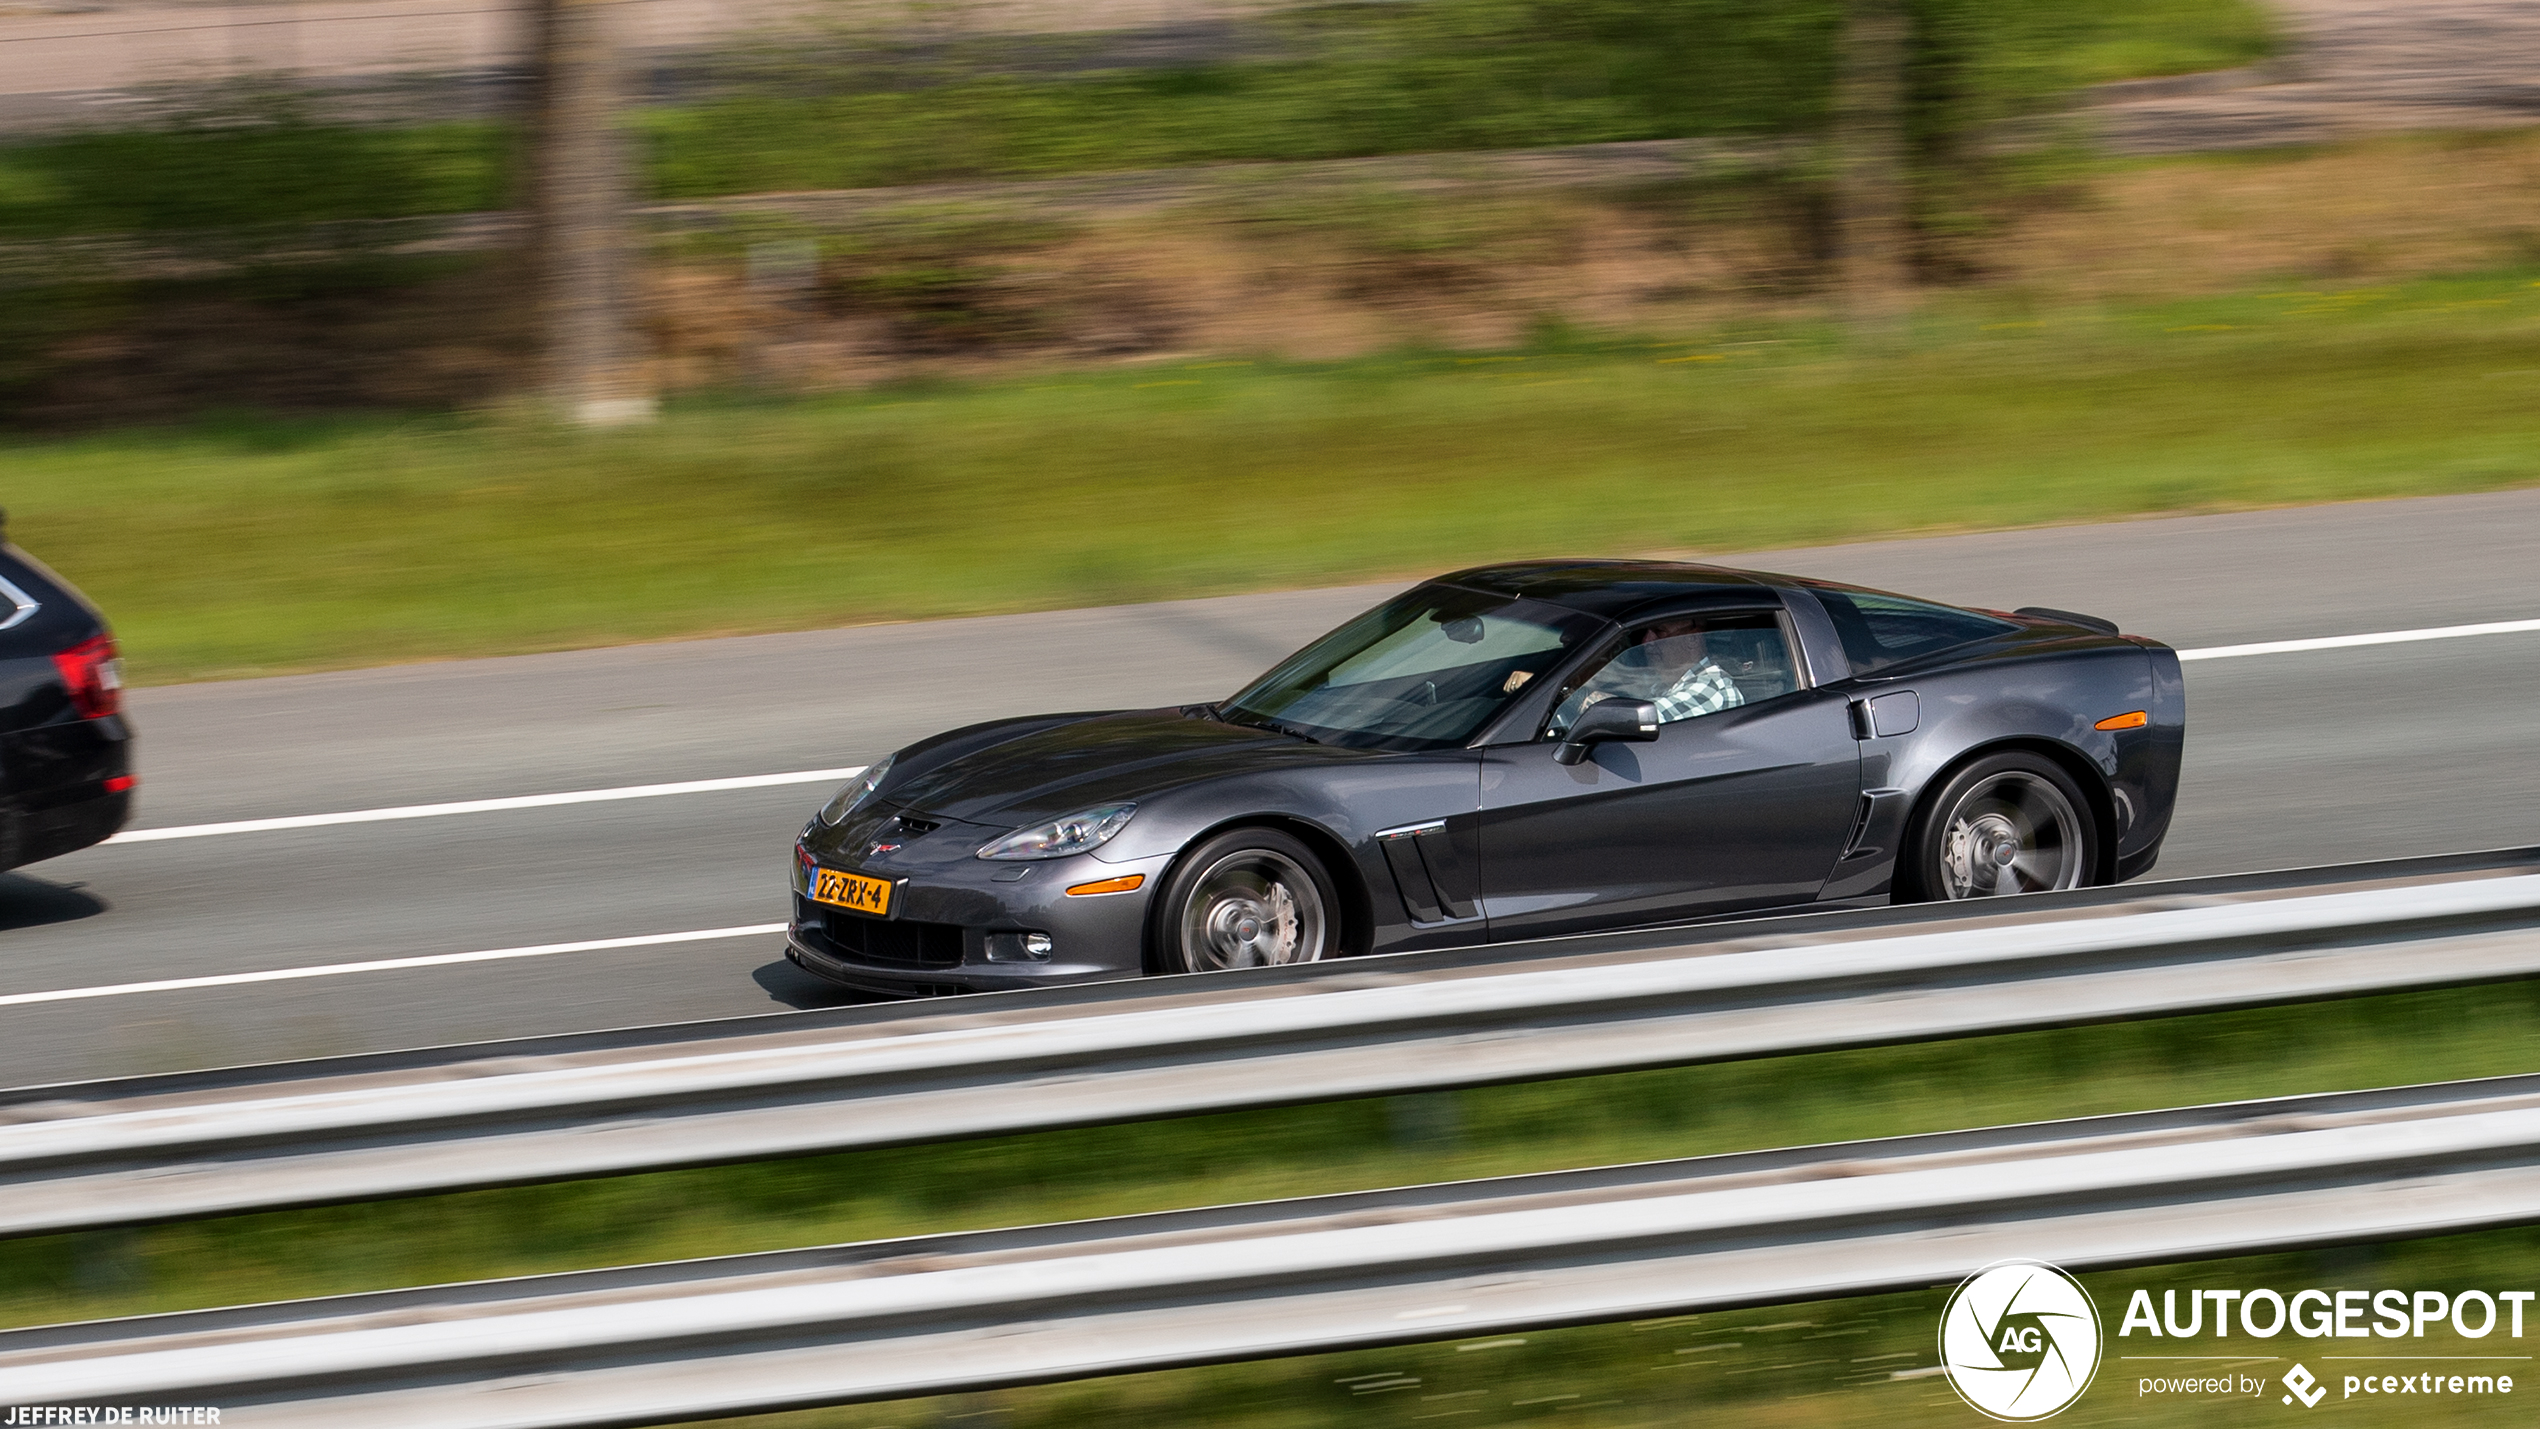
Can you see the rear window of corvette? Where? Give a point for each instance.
(1881, 630)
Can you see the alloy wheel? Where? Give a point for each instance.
(2011, 833)
(1254, 907)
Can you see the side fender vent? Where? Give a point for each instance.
(1434, 883)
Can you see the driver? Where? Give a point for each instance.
(1671, 666)
(1696, 685)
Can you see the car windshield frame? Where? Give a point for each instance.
(1394, 649)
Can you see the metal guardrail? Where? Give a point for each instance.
(886, 1319)
(258, 1138)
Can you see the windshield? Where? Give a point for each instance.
(1423, 671)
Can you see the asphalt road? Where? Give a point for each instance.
(2300, 758)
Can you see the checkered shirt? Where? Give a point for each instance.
(1708, 690)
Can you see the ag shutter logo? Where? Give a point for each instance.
(2020, 1340)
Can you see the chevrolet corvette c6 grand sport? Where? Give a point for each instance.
(1515, 751)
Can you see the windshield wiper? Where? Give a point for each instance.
(1250, 720)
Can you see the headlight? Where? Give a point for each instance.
(1076, 833)
(858, 789)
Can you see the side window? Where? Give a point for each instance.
(1688, 667)
(1880, 630)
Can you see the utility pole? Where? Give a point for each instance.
(1873, 232)
(579, 174)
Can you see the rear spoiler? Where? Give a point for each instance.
(2069, 617)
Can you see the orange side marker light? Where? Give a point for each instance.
(2135, 719)
(1123, 884)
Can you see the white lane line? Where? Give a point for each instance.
(380, 965)
(487, 806)
(819, 776)
(2341, 642)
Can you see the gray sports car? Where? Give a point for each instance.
(1509, 752)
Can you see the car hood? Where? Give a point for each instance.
(1059, 769)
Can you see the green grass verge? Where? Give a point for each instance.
(252, 546)
(1307, 1150)
(2145, 39)
(268, 174)
(1467, 74)
(1358, 80)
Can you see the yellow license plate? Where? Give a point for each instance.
(851, 890)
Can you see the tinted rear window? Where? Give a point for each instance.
(1881, 630)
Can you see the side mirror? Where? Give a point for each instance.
(1634, 721)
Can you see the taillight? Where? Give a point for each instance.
(94, 675)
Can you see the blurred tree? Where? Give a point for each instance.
(578, 173)
(1874, 240)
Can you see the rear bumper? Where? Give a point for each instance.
(2138, 863)
(56, 778)
(64, 828)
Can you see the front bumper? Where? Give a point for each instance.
(956, 919)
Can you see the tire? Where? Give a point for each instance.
(2006, 824)
(1246, 898)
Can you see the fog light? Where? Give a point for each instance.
(1020, 947)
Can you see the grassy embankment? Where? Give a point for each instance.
(258, 282)
(1845, 1351)
(255, 546)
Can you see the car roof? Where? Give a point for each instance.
(1615, 589)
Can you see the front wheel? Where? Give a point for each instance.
(2010, 823)
(1247, 898)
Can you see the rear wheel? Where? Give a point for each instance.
(1247, 898)
(2008, 823)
